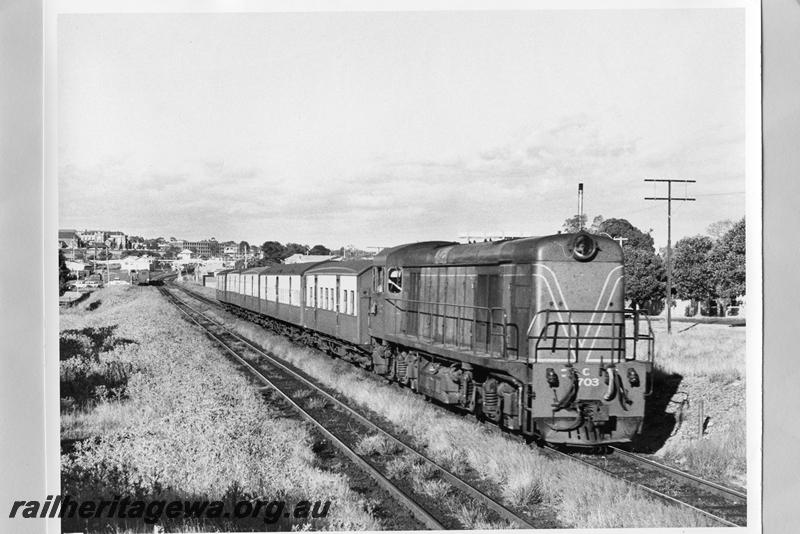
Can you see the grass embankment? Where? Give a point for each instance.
(152, 411)
(582, 497)
(702, 365)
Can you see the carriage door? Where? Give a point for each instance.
(315, 297)
(338, 302)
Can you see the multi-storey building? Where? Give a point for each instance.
(207, 248)
(113, 239)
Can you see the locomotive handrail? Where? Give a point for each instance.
(458, 315)
(575, 341)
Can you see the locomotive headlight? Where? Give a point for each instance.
(584, 247)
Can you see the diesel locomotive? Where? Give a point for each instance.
(531, 334)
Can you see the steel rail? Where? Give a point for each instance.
(646, 489)
(415, 509)
(453, 479)
(707, 485)
(675, 473)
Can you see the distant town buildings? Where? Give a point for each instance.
(68, 239)
(118, 250)
(136, 263)
(205, 248)
(111, 238)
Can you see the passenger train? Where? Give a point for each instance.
(531, 333)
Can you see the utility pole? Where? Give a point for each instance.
(669, 198)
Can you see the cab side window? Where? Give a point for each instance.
(395, 278)
(378, 279)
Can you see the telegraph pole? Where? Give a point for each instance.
(669, 198)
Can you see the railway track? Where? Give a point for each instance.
(346, 429)
(725, 506)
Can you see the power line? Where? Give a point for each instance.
(669, 198)
(720, 194)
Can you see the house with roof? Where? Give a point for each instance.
(134, 263)
(68, 239)
(309, 258)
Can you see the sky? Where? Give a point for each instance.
(380, 128)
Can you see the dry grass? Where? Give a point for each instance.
(711, 363)
(707, 350)
(583, 498)
(376, 445)
(191, 427)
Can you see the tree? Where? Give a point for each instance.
(645, 276)
(244, 247)
(729, 261)
(574, 223)
(63, 273)
(718, 229)
(272, 252)
(319, 250)
(596, 222)
(294, 248)
(692, 269)
(622, 228)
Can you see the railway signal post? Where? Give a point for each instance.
(669, 198)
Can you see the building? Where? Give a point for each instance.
(91, 237)
(117, 240)
(134, 263)
(309, 258)
(207, 248)
(68, 239)
(113, 239)
(185, 255)
(229, 248)
(78, 266)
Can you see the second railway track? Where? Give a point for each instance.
(345, 428)
(724, 506)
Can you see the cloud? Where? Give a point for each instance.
(525, 183)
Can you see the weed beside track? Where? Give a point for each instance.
(188, 426)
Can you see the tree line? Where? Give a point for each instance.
(706, 269)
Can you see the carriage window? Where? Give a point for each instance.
(378, 279)
(395, 280)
